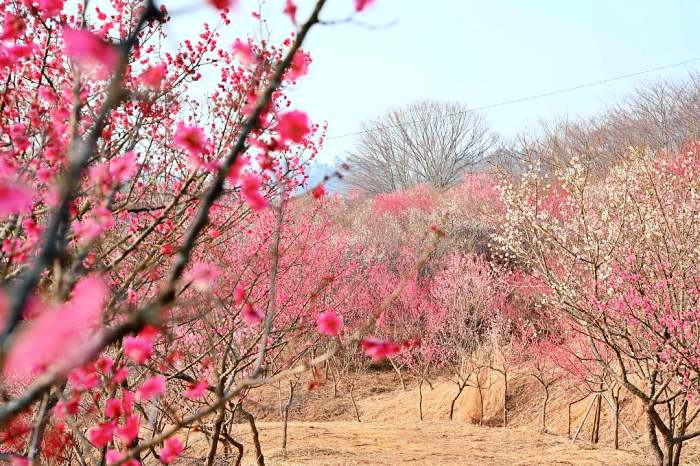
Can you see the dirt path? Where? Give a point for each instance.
(427, 443)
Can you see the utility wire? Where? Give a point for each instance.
(521, 99)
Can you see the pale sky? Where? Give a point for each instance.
(479, 52)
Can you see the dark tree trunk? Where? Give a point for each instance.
(505, 399)
(595, 430)
(616, 399)
(682, 426)
(215, 437)
(354, 403)
(420, 399)
(259, 458)
(238, 445)
(657, 454)
(286, 418)
(481, 400)
(544, 407)
(460, 389)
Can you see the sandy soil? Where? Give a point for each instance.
(392, 434)
(427, 443)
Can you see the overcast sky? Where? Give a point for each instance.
(479, 52)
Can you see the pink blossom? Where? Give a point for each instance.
(329, 323)
(13, 27)
(90, 51)
(14, 198)
(122, 168)
(19, 461)
(105, 364)
(235, 171)
(239, 295)
(293, 126)
(65, 408)
(113, 408)
(290, 9)
(223, 4)
(196, 390)
(379, 349)
(51, 8)
(91, 228)
(128, 401)
(252, 315)
(115, 456)
(318, 192)
(153, 76)
(153, 387)
(120, 375)
(202, 276)
(362, 4)
(101, 434)
(138, 349)
(192, 139)
(83, 379)
(31, 228)
(299, 66)
(18, 133)
(250, 188)
(62, 332)
(244, 52)
(171, 450)
(130, 430)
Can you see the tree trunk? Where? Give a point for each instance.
(354, 403)
(238, 445)
(286, 418)
(544, 408)
(596, 420)
(677, 454)
(259, 458)
(38, 432)
(682, 425)
(398, 371)
(617, 421)
(460, 388)
(420, 399)
(215, 437)
(481, 400)
(336, 381)
(669, 453)
(658, 455)
(505, 399)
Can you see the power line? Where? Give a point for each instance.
(521, 99)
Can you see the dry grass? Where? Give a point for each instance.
(427, 443)
(391, 433)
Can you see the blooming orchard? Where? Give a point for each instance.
(164, 256)
(152, 243)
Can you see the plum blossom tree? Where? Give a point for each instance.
(619, 255)
(120, 198)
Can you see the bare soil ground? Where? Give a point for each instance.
(392, 434)
(427, 443)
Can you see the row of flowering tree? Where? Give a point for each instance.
(620, 257)
(588, 277)
(158, 263)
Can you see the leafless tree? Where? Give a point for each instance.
(656, 116)
(425, 142)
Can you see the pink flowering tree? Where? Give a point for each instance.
(469, 292)
(120, 197)
(619, 255)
